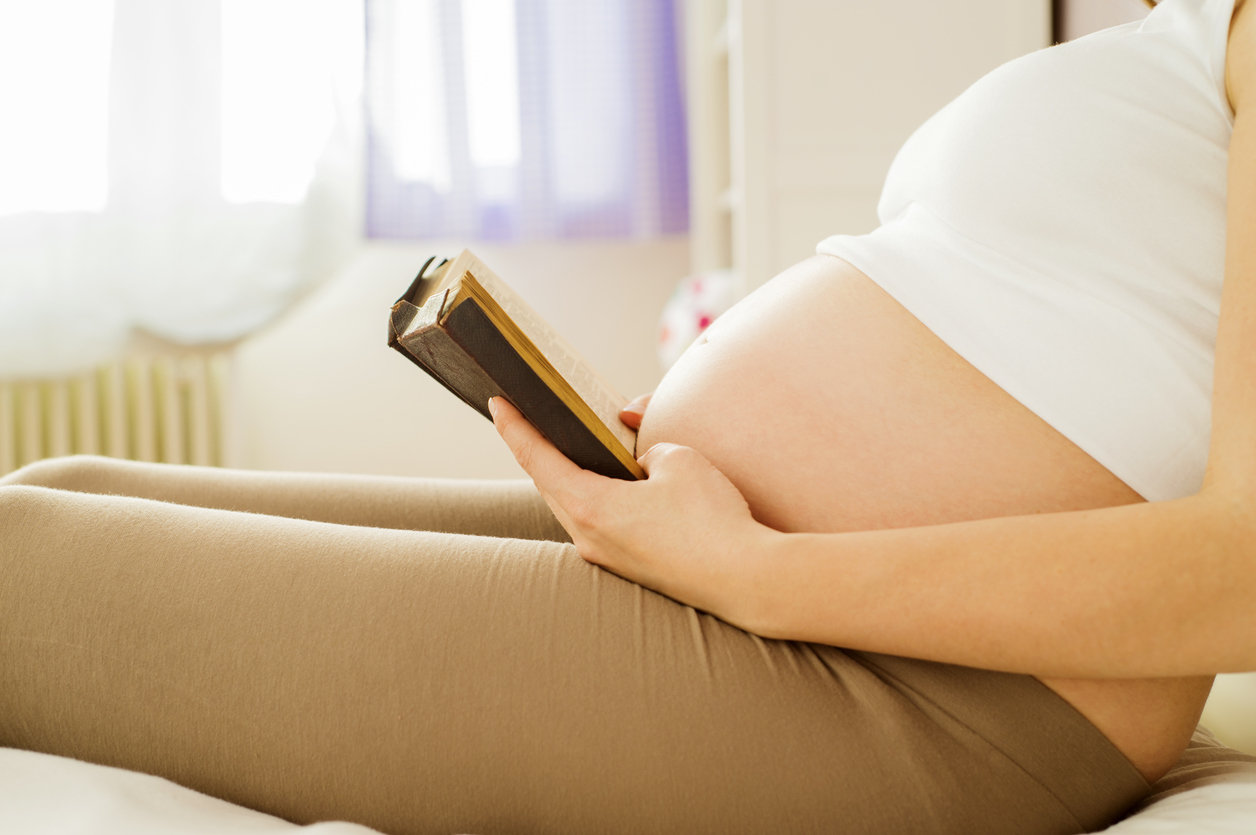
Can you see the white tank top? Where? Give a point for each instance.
(1061, 225)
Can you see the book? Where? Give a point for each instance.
(469, 330)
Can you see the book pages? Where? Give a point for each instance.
(587, 384)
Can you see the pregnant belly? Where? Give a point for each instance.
(833, 409)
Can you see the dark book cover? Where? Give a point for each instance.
(461, 347)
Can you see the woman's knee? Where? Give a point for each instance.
(26, 513)
(81, 473)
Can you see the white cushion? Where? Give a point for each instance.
(41, 794)
(1223, 808)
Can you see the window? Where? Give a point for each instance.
(510, 119)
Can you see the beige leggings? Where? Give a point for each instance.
(426, 656)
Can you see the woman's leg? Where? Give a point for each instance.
(488, 508)
(421, 682)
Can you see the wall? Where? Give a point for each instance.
(320, 390)
(796, 110)
(1078, 17)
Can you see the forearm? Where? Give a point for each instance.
(1159, 589)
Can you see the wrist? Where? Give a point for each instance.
(762, 602)
(805, 589)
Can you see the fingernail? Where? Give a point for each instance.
(492, 407)
(635, 405)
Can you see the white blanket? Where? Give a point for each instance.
(45, 795)
(1226, 808)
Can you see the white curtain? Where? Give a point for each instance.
(180, 167)
(524, 119)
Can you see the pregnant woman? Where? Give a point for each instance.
(945, 530)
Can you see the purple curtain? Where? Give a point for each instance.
(524, 119)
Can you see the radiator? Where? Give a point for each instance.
(150, 408)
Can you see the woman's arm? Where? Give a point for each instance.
(1159, 589)
(1147, 590)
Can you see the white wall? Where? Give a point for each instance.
(321, 390)
(1079, 17)
(796, 110)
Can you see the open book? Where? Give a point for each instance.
(462, 325)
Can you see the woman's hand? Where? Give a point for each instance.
(685, 530)
(634, 411)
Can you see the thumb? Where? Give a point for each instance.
(661, 455)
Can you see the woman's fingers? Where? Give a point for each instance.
(555, 475)
(634, 411)
(683, 531)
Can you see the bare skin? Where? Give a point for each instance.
(890, 429)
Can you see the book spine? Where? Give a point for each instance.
(431, 348)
